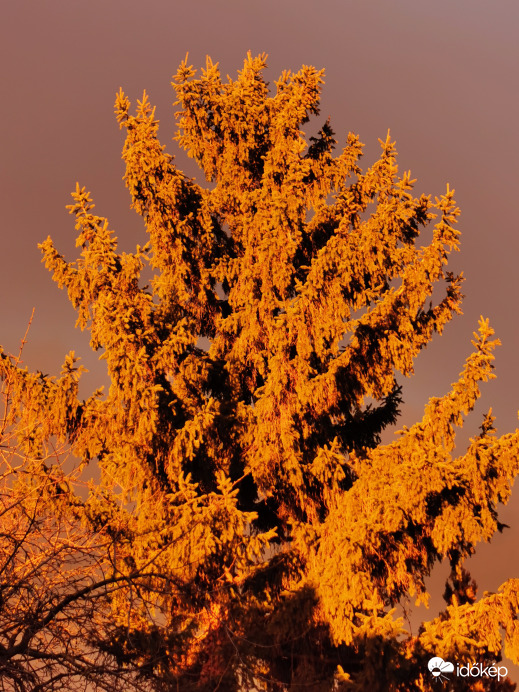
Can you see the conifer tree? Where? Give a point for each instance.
(239, 444)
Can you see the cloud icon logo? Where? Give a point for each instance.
(438, 667)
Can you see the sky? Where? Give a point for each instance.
(441, 76)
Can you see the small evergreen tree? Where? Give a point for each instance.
(239, 445)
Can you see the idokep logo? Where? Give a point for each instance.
(479, 670)
(440, 669)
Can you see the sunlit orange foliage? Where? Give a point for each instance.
(58, 576)
(239, 444)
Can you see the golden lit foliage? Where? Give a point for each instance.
(59, 576)
(251, 473)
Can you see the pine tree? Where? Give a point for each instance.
(239, 444)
